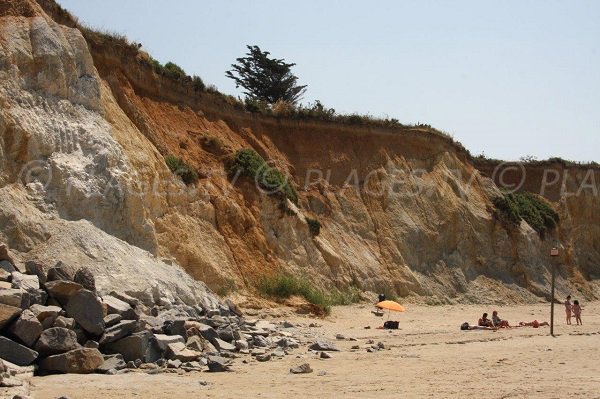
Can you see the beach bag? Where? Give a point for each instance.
(381, 298)
(391, 325)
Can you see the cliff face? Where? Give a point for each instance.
(85, 126)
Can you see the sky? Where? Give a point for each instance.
(506, 78)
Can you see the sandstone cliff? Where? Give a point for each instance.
(85, 125)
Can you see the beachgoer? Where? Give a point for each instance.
(577, 312)
(568, 308)
(466, 326)
(498, 322)
(485, 322)
(534, 324)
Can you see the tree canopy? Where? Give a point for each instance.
(265, 78)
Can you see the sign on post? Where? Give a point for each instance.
(554, 252)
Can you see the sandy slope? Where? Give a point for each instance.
(428, 357)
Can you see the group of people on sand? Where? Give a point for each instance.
(485, 323)
(573, 310)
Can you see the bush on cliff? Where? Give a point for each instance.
(248, 162)
(314, 226)
(181, 169)
(532, 208)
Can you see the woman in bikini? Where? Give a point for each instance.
(498, 322)
(568, 309)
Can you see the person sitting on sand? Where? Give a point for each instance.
(485, 322)
(534, 324)
(466, 326)
(498, 322)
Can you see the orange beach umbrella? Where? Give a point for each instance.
(391, 305)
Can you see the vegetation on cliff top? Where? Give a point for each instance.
(248, 162)
(532, 208)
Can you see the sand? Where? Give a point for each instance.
(428, 357)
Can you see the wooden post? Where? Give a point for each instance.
(554, 257)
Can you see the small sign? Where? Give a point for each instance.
(554, 252)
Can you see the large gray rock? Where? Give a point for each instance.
(37, 297)
(78, 361)
(7, 266)
(217, 364)
(85, 277)
(224, 346)
(137, 346)
(62, 290)
(36, 269)
(260, 341)
(25, 281)
(56, 340)
(85, 307)
(111, 319)
(163, 340)
(8, 313)
(58, 272)
(302, 369)
(112, 362)
(323, 345)
(46, 314)
(208, 333)
(117, 306)
(14, 297)
(5, 276)
(26, 328)
(16, 353)
(178, 351)
(118, 331)
(197, 343)
(64, 322)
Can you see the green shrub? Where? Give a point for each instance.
(249, 163)
(181, 169)
(285, 286)
(198, 83)
(529, 207)
(174, 71)
(314, 226)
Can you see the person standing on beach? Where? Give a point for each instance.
(568, 309)
(577, 312)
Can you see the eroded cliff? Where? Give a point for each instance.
(85, 124)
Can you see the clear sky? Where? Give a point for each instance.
(507, 78)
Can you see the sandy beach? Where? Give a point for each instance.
(428, 357)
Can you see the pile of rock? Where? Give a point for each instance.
(54, 322)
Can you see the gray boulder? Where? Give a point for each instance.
(118, 331)
(7, 266)
(139, 345)
(117, 306)
(62, 290)
(46, 314)
(112, 362)
(224, 346)
(26, 328)
(36, 269)
(163, 340)
(58, 272)
(16, 353)
(64, 322)
(112, 319)
(302, 369)
(14, 297)
(85, 307)
(56, 340)
(217, 364)
(8, 313)
(25, 281)
(178, 351)
(78, 361)
(5, 276)
(85, 277)
(197, 343)
(260, 341)
(322, 345)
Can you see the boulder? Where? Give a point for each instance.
(25, 281)
(85, 277)
(7, 266)
(37, 297)
(118, 331)
(85, 307)
(16, 353)
(223, 346)
(56, 340)
(233, 307)
(26, 328)
(62, 290)
(226, 333)
(217, 364)
(36, 269)
(163, 340)
(91, 344)
(112, 319)
(133, 302)
(173, 363)
(196, 343)
(5, 276)
(8, 313)
(263, 358)
(286, 342)
(5, 285)
(46, 314)
(302, 369)
(113, 362)
(178, 351)
(117, 306)
(260, 341)
(78, 361)
(322, 345)
(139, 345)
(241, 344)
(14, 297)
(64, 322)
(208, 333)
(58, 272)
